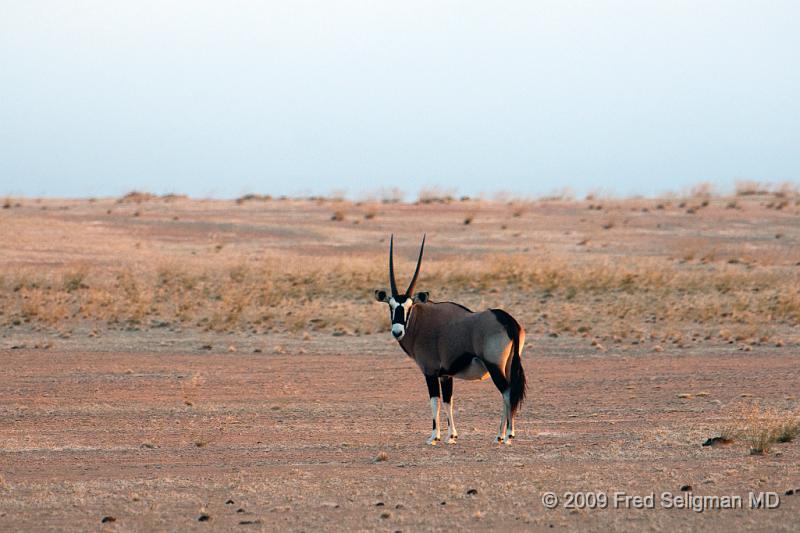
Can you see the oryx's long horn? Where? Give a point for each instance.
(410, 290)
(391, 267)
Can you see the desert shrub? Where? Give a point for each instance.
(251, 197)
(750, 188)
(136, 197)
(435, 195)
(72, 280)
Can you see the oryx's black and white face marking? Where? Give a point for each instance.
(400, 307)
(400, 310)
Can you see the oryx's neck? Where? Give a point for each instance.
(407, 342)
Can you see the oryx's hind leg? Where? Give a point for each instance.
(509, 429)
(433, 392)
(505, 431)
(447, 400)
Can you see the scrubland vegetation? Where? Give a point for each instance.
(645, 299)
(709, 275)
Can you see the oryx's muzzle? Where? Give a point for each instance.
(398, 330)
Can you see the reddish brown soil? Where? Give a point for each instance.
(150, 427)
(291, 438)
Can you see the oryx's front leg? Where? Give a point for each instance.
(433, 392)
(447, 400)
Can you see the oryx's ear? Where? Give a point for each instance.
(381, 295)
(421, 297)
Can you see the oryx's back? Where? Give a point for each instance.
(445, 338)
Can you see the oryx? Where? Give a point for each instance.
(448, 340)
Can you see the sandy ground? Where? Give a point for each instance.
(289, 440)
(160, 427)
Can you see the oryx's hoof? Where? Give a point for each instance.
(433, 441)
(452, 440)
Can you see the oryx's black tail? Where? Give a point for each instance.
(517, 382)
(519, 386)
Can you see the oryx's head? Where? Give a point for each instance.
(400, 304)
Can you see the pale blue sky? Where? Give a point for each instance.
(299, 97)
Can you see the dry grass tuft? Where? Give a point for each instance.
(387, 195)
(381, 457)
(702, 191)
(750, 188)
(253, 198)
(139, 197)
(564, 194)
(754, 188)
(136, 197)
(759, 433)
(73, 280)
(435, 195)
(788, 427)
(785, 190)
(173, 197)
(761, 428)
